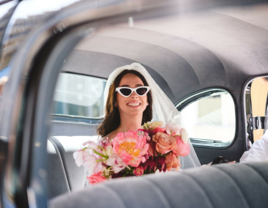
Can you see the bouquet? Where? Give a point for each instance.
(134, 153)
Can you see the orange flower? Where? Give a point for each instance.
(164, 143)
(172, 161)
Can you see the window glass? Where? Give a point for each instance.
(211, 120)
(79, 95)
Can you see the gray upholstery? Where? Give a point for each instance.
(231, 185)
(63, 174)
(57, 180)
(65, 128)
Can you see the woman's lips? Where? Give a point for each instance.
(134, 104)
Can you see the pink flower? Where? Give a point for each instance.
(138, 171)
(87, 158)
(104, 142)
(172, 129)
(158, 129)
(96, 178)
(172, 161)
(181, 149)
(164, 142)
(81, 155)
(131, 147)
(91, 145)
(116, 162)
(93, 165)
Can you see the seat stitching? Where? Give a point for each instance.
(249, 165)
(62, 164)
(201, 187)
(223, 171)
(116, 194)
(160, 192)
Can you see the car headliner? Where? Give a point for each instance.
(184, 53)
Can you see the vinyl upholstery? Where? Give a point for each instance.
(63, 174)
(231, 185)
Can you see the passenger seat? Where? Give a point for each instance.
(219, 186)
(63, 174)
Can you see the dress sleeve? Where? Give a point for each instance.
(258, 151)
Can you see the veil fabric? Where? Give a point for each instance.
(163, 109)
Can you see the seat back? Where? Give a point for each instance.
(63, 173)
(228, 185)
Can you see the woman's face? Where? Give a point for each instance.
(134, 104)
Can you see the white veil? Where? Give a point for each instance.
(163, 109)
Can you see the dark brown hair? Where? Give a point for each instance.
(112, 117)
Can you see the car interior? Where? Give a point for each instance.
(208, 99)
(202, 60)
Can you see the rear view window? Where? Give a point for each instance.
(79, 95)
(210, 120)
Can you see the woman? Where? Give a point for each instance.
(126, 110)
(133, 98)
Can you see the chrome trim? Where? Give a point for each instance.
(82, 117)
(71, 122)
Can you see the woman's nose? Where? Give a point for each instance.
(134, 95)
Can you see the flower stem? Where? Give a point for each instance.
(106, 157)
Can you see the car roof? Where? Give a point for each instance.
(184, 53)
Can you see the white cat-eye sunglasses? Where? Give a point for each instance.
(127, 91)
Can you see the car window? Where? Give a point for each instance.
(210, 120)
(79, 95)
(256, 102)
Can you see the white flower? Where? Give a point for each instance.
(81, 155)
(184, 135)
(156, 124)
(172, 129)
(92, 165)
(116, 162)
(85, 158)
(91, 145)
(109, 151)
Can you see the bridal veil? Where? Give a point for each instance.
(163, 109)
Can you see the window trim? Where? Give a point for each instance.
(207, 143)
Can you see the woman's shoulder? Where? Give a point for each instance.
(111, 135)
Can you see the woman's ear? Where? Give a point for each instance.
(115, 104)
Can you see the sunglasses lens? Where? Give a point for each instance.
(125, 91)
(142, 91)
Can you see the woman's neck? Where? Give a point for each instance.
(126, 124)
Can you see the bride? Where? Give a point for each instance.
(132, 99)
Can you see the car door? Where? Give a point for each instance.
(26, 119)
